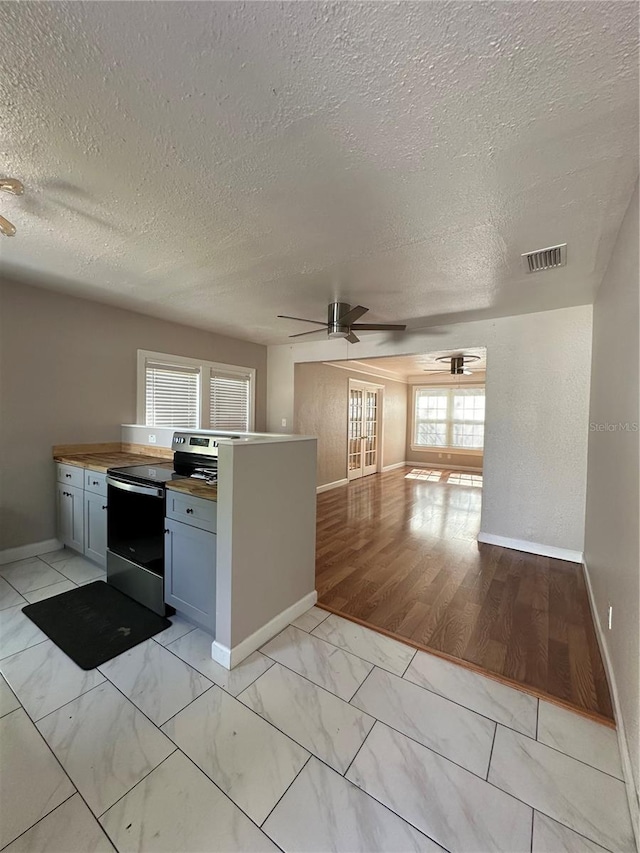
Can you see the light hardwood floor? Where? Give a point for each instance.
(399, 553)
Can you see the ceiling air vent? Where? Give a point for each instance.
(545, 259)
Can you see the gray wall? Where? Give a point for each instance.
(68, 374)
(321, 401)
(611, 536)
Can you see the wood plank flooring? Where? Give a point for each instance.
(400, 554)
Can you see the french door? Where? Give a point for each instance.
(363, 430)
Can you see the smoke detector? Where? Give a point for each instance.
(545, 259)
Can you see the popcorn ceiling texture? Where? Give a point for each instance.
(219, 163)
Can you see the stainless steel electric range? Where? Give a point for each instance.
(136, 513)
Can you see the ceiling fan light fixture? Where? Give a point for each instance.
(11, 185)
(15, 187)
(341, 323)
(8, 229)
(457, 364)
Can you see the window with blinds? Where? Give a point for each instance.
(229, 401)
(172, 395)
(176, 391)
(449, 417)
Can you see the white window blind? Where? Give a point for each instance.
(229, 398)
(449, 417)
(171, 395)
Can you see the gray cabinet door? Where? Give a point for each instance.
(70, 511)
(190, 572)
(95, 528)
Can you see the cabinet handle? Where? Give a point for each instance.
(104, 507)
(95, 482)
(166, 530)
(189, 511)
(68, 475)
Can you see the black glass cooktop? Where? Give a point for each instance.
(155, 474)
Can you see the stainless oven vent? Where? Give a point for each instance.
(545, 259)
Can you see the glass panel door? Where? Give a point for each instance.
(370, 431)
(363, 429)
(354, 459)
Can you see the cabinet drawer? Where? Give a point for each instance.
(198, 512)
(70, 475)
(95, 482)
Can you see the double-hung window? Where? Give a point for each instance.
(174, 391)
(449, 417)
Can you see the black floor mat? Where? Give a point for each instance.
(95, 622)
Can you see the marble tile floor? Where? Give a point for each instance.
(330, 738)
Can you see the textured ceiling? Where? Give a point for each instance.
(220, 163)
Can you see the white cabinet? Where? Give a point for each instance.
(190, 572)
(95, 528)
(70, 516)
(82, 511)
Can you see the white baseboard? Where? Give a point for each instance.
(627, 772)
(531, 547)
(327, 486)
(231, 657)
(441, 467)
(394, 466)
(23, 552)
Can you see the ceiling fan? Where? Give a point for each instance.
(457, 364)
(341, 323)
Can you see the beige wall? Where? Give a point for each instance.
(320, 409)
(441, 458)
(68, 374)
(611, 535)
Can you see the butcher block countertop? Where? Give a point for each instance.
(101, 457)
(197, 488)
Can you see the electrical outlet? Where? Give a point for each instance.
(610, 616)
(152, 439)
(284, 422)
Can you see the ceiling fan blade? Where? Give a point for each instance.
(302, 319)
(379, 327)
(301, 334)
(353, 339)
(352, 315)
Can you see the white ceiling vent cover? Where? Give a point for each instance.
(545, 259)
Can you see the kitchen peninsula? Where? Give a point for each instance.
(240, 554)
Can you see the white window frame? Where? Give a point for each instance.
(204, 368)
(440, 448)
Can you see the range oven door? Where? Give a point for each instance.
(135, 524)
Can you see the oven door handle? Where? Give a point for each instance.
(138, 490)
